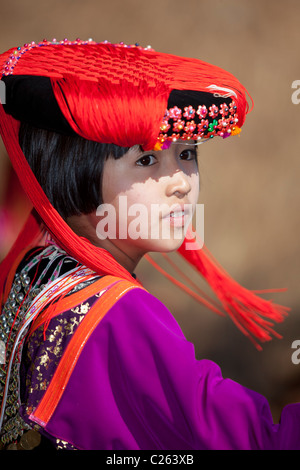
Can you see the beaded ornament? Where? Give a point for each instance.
(198, 125)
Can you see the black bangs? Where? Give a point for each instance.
(68, 168)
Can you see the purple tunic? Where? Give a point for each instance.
(137, 385)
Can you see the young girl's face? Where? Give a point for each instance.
(153, 194)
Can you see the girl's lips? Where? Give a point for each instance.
(178, 217)
(178, 220)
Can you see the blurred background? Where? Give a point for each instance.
(250, 183)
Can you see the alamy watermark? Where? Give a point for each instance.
(155, 222)
(296, 94)
(296, 354)
(2, 92)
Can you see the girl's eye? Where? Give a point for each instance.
(189, 154)
(146, 160)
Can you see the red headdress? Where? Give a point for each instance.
(125, 95)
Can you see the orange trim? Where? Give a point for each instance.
(69, 359)
(71, 301)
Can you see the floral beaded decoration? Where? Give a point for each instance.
(198, 124)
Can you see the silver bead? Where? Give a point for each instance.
(20, 297)
(17, 287)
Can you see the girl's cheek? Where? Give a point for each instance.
(195, 185)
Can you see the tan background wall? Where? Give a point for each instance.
(250, 184)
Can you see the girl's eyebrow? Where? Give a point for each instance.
(137, 150)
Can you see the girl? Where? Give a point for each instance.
(90, 360)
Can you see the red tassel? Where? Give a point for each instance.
(199, 298)
(253, 315)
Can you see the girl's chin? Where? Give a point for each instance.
(160, 245)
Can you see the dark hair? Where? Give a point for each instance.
(68, 168)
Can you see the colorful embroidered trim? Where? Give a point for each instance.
(57, 288)
(198, 124)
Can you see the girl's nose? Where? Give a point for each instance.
(178, 184)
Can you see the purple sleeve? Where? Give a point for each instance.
(137, 385)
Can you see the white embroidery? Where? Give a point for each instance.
(228, 90)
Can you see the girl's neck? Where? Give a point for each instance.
(84, 225)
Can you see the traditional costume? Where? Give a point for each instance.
(89, 358)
